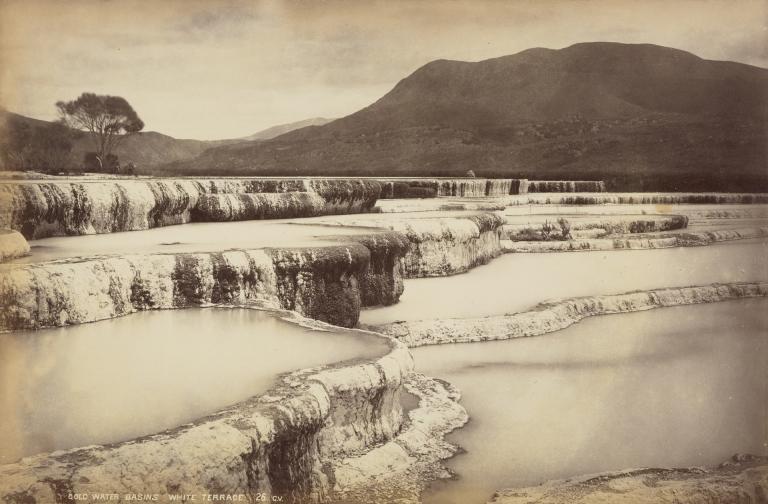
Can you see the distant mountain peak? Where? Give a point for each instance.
(281, 129)
(645, 114)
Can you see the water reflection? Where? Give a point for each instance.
(669, 387)
(122, 378)
(517, 282)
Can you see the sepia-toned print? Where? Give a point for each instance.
(408, 251)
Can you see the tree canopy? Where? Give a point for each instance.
(109, 119)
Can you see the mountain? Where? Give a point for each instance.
(640, 116)
(281, 129)
(150, 148)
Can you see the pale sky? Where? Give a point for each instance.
(212, 69)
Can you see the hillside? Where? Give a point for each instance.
(281, 129)
(642, 117)
(150, 148)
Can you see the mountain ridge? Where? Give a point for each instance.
(661, 118)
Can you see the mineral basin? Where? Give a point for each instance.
(194, 237)
(517, 282)
(671, 387)
(122, 378)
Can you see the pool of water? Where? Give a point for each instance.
(193, 237)
(122, 378)
(675, 386)
(516, 282)
(217, 236)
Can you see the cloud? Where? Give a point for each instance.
(217, 68)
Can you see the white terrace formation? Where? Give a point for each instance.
(337, 433)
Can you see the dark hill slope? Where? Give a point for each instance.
(281, 129)
(143, 149)
(638, 116)
(150, 148)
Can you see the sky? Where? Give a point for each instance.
(212, 69)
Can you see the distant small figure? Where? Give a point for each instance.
(546, 230)
(471, 174)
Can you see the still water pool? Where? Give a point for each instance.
(675, 386)
(122, 378)
(517, 282)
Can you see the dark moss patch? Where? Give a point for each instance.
(292, 457)
(61, 488)
(22, 497)
(322, 282)
(560, 186)
(349, 192)
(226, 280)
(141, 296)
(187, 284)
(382, 283)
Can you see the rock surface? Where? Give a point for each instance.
(598, 227)
(399, 470)
(440, 246)
(460, 187)
(646, 241)
(550, 317)
(741, 479)
(333, 434)
(12, 245)
(482, 187)
(328, 283)
(39, 209)
(250, 206)
(281, 443)
(564, 186)
(637, 199)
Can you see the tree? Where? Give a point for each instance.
(91, 163)
(109, 119)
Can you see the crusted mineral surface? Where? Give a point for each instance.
(12, 245)
(552, 230)
(399, 470)
(75, 207)
(565, 186)
(327, 283)
(741, 479)
(252, 206)
(399, 187)
(282, 443)
(642, 241)
(550, 317)
(636, 198)
(440, 246)
(336, 433)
